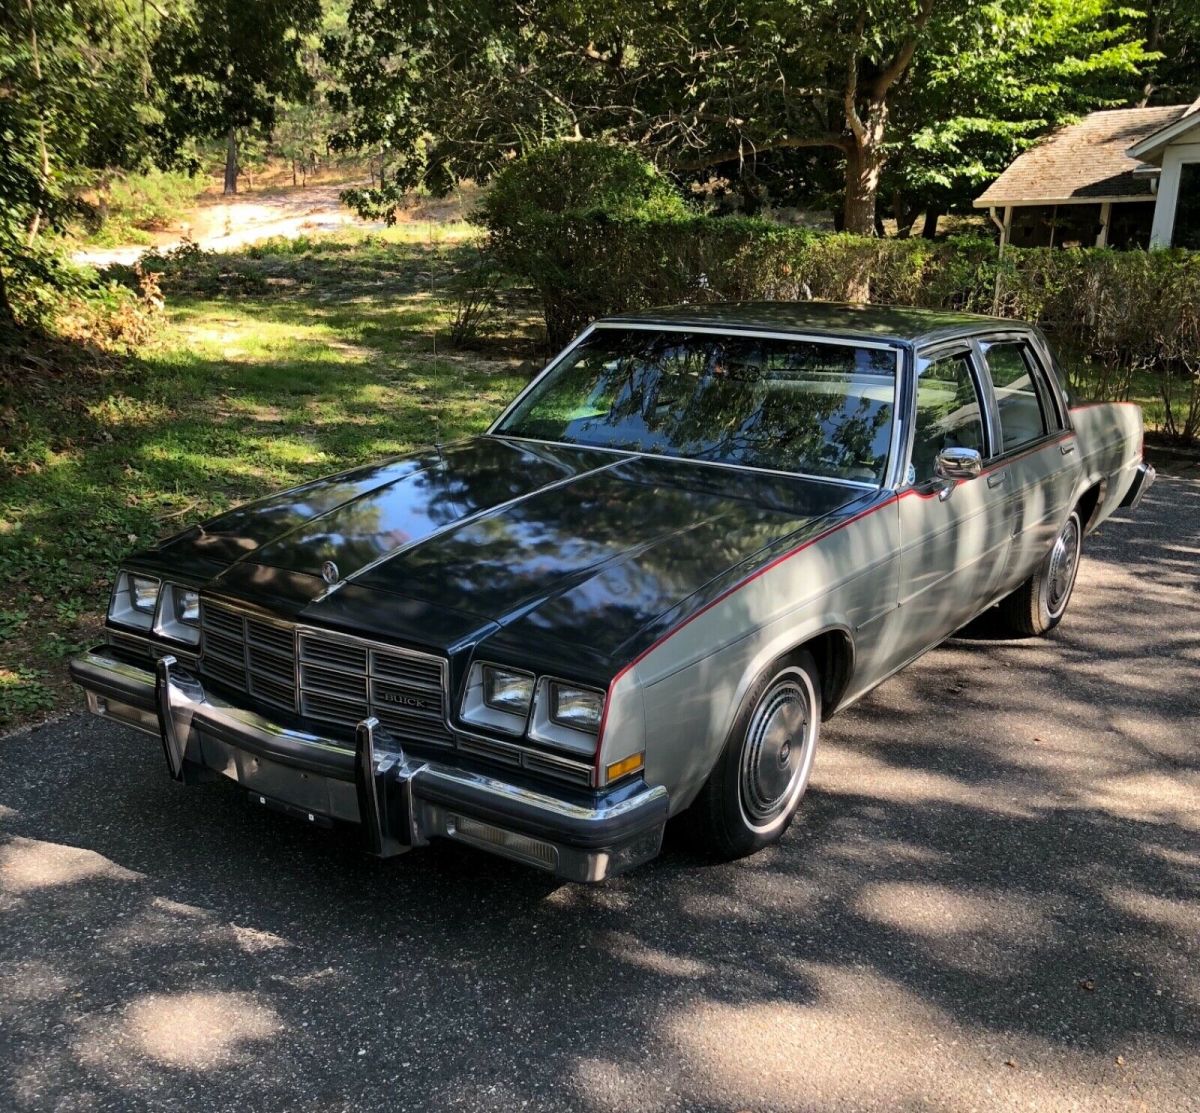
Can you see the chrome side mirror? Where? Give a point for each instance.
(958, 463)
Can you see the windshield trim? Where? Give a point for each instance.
(886, 479)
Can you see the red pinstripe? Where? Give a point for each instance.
(720, 599)
(775, 563)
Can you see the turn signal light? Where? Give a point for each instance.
(625, 766)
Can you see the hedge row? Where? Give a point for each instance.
(1117, 314)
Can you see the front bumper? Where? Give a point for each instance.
(1143, 480)
(399, 802)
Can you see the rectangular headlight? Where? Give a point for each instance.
(187, 606)
(576, 708)
(507, 691)
(143, 593)
(133, 601)
(179, 614)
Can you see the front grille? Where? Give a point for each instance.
(337, 680)
(343, 682)
(326, 677)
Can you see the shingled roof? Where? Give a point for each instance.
(1086, 161)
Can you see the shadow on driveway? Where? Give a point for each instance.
(990, 899)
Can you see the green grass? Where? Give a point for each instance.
(275, 365)
(137, 204)
(272, 368)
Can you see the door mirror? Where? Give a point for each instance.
(958, 463)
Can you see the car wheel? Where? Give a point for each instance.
(1039, 604)
(756, 785)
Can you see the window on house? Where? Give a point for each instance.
(1187, 208)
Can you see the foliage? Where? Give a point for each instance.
(22, 693)
(1122, 315)
(225, 66)
(131, 205)
(1172, 31)
(457, 89)
(72, 105)
(474, 296)
(986, 90)
(583, 177)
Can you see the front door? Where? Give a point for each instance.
(955, 536)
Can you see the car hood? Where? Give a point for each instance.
(536, 546)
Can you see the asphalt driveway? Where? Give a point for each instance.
(991, 901)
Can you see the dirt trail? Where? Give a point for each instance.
(227, 223)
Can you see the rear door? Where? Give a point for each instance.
(955, 536)
(1037, 463)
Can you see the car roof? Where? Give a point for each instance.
(898, 324)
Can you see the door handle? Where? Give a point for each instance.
(997, 479)
(1067, 448)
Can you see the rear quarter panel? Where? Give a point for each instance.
(1110, 445)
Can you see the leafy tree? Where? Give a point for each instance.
(457, 88)
(73, 104)
(1172, 30)
(303, 127)
(982, 95)
(224, 66)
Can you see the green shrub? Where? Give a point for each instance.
(581, 176)
(1116, 317)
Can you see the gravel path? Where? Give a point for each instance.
(991, 901)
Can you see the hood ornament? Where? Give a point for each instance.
(329, 572)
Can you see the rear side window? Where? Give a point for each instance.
(1019, 396)
(948, 413)
(1063, 379)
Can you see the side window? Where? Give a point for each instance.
(948, 413)
(1018, 398)
(1064, 380)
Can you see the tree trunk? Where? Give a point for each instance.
(929, 228)
(36, 223)
(231, 163)
(905, 214)
(8, 319)
(864, 164)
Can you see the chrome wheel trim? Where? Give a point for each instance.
(777, 751)
(1062, 568)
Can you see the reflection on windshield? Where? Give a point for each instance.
(823, 408)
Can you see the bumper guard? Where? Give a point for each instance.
(399, 801)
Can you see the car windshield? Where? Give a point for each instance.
(816, 407)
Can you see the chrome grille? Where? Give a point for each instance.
(327, 677)
(340, 680)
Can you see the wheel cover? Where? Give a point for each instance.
(777, 751)
(1064, 563)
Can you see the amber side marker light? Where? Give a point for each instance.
(626, 765)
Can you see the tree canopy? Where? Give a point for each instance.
(942, 90)
(74, 103)
(226, 65)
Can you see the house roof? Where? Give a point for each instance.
(1151, 148)
(1087, 161)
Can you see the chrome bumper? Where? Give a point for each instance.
(400, 802)
(1143, 480)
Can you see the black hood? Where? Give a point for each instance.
(538, 548)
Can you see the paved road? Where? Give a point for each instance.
(992, 902)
